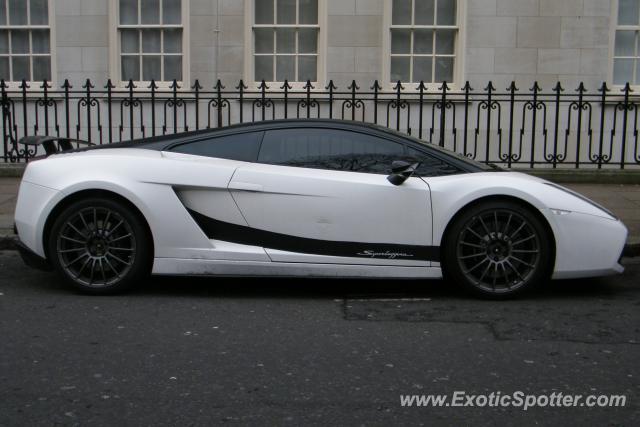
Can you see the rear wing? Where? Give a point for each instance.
(53, 144)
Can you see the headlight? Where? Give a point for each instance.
(584, 199)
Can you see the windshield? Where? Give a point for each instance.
(479, 165)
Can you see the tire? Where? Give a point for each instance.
(100, 246)
(497, 249)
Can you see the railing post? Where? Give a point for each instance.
(376, 88)
(25, 125)
(467, 89)
(581, 89)
(512, 101)
(286, 87)
(443, 112)
(398, 89)
(603, 104)
(263, 97)
(218, 89)
(88, 86)
(131, 86)
(623, 148)
(153, 86)
(534, 119)
(241, 87)
(558, 90)
(421, 87)
(490, 88)
(196, 87)
(5, 116)
(308, 88)
(174, 89)
(109, 88)
(45, 98)
(331, 87)
(353, 87)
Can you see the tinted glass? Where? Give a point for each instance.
(243, 147)
(429, 165)
(329, 149)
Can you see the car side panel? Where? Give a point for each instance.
(154, 184)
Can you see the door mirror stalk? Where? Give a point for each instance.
(401, 171)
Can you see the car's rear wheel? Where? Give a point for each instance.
(497, 249)
(100, 246)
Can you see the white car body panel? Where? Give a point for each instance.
(306, 204)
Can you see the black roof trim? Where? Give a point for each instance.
(164, 142)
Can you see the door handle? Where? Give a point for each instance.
(245, 186)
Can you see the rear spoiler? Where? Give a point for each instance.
(53, 144)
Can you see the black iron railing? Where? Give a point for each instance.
(509, 126)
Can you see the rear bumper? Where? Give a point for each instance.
(31, 258)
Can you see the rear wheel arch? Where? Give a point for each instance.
(500, 198)
(86, 194)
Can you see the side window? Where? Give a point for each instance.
(329, 149)
(429, 165)
(243, 147)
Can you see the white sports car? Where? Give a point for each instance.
(307, 198)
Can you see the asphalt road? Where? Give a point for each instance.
(185, 351)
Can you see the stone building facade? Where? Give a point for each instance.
(366, 40)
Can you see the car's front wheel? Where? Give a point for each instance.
(100, 245)
(497, 249)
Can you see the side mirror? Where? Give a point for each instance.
(401, 171)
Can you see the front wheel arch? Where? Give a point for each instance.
(85, 194)
(500, 198)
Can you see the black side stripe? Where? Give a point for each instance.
(225, 231)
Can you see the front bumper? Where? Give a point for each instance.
(587, 245)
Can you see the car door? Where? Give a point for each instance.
(322, 196)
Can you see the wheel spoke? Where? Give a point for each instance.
(122, 249)
(515, 233)
(83, 267)
(65, 251)
(120, 238)
(484, 226)
(473, 255)
(484, 273)
(78, 258)
(473, 245)
(72, 240)
(475, 234)
(478, 265)
(106, 222)
(84, 222)
(514, 269)
(523, 262)
(495, 276)
(73, 227)
(118, 258)
(116, 227)
(525, 251)
(104, 276)
(106, 260)
(506, 276)
(506, 227)
(93, 267)
(524, 240)
(495, 217)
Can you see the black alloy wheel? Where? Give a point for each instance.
(497, 249)
(100, 246)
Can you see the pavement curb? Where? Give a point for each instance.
(11, 170)
(10, 243)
